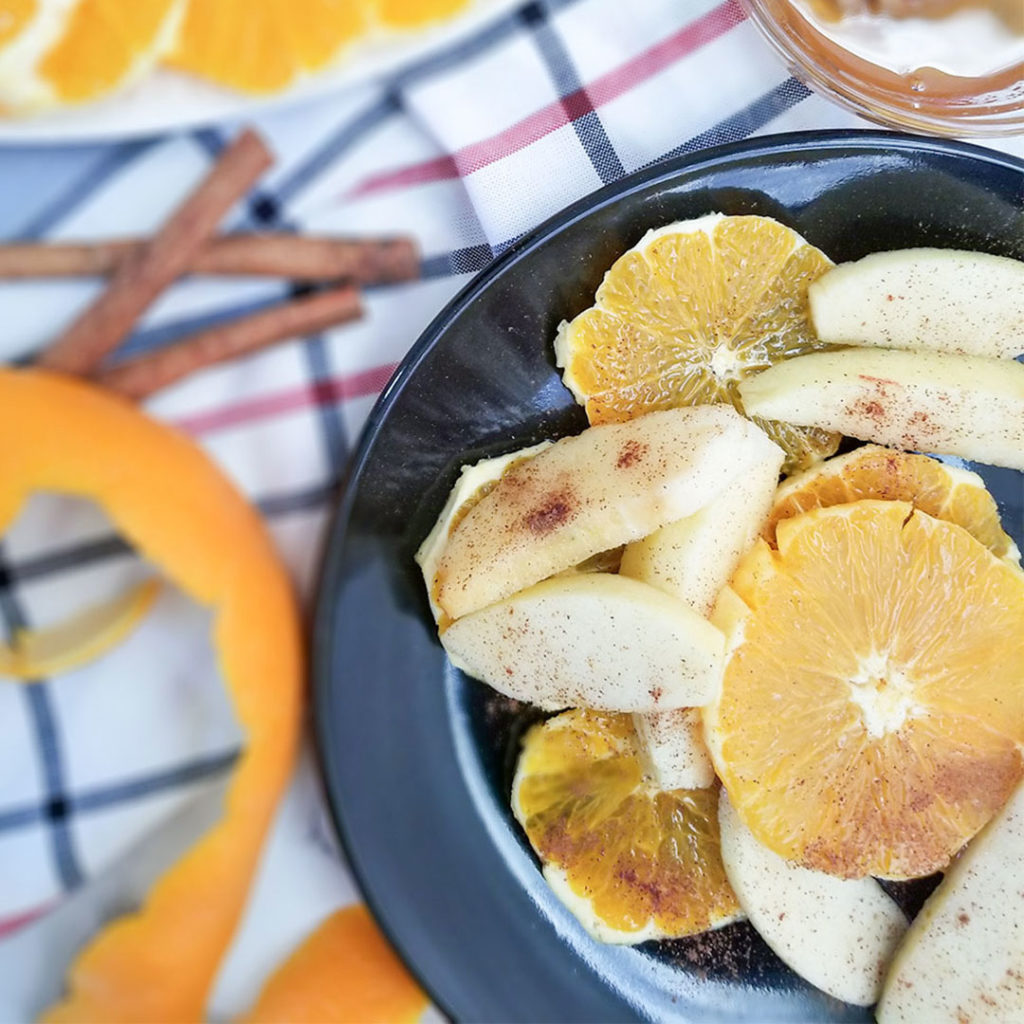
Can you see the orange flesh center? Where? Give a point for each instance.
(870, 719)
(683, 321)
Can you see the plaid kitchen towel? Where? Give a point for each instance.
(106, 773)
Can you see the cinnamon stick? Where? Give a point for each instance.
(300, 257)
(143, 276)
(64, 259)
(369, 261)
(140, 377)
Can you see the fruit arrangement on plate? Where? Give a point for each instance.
(777, 693)
(56, 53)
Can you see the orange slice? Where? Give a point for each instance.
(344, 971)
(53, 52)
(263, 47)
(872, 706)
(872, 471)
(631, 862)
(414, 13)
(689, 312)
(14, 16)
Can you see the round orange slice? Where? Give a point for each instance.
(264, 47)
(689, 312)
(407, 14)
(631, 862)
(872, 706)
(53, 52)
(14, 16)
(871, 471)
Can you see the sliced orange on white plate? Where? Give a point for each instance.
(63, 52)
(265, 47)
(14, 16)
(410, 14)
(59, 52)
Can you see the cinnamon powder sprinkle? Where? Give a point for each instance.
(555, 510)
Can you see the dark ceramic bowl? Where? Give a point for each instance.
(417, 758)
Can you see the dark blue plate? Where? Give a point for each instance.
(418, 759)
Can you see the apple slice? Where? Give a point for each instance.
(592, 640)
(963, 957)
(692, 559)
(605, 487)
(839, 934)
(918, 401)
(673, 748)
(939, 300)
(473, 482)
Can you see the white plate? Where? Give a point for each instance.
(167, 100)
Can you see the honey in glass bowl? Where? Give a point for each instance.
(952, 67)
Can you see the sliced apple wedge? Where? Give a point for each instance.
(838, 934)
(672, 745)
(918, 401)
(605, 487)
(591, 640)
(963, 957)
(939, 300)
(473, 482)
(692, 559)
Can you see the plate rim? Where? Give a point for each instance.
(321, 642)
(650, 174)
(134, 114)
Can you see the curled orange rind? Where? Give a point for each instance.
(182, 515)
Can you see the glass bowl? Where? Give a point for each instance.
(986, 101)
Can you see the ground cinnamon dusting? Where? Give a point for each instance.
(981, 780)
(632, 452)
(733, 953)
(657, 894)
(872, 409)
(553, 511)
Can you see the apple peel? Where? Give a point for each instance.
(183, 515)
